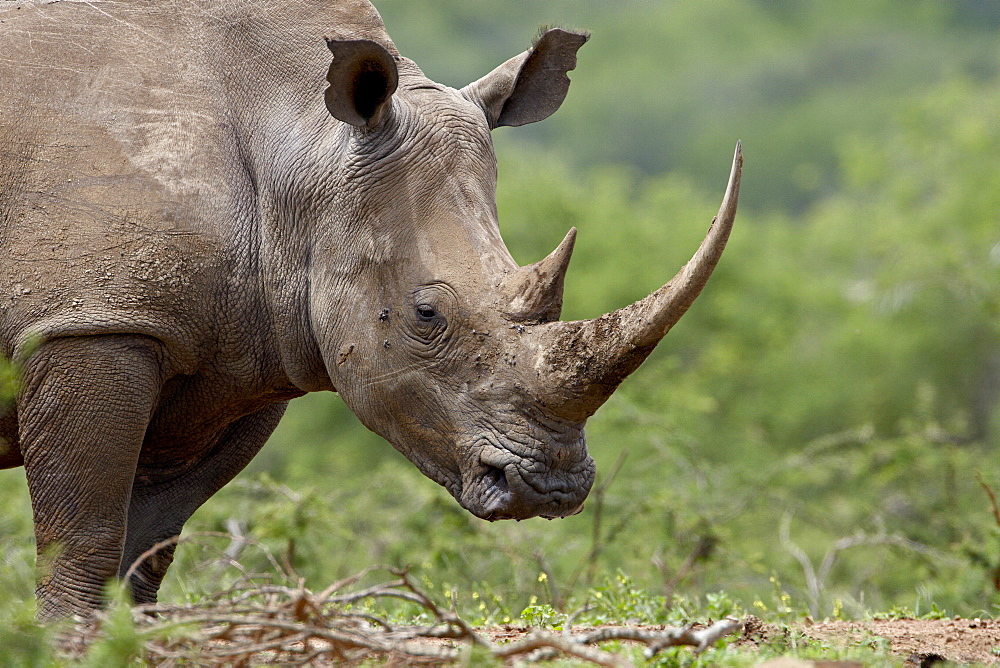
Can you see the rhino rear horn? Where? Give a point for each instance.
(529, 87)
(362, 77)
(535, 293)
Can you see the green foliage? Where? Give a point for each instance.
(24, 642)
(8, 382)
(118, 642)
(543, 615)
(8, 389)
(670, 86)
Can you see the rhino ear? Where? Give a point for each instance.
(531, 86)
(363, 76)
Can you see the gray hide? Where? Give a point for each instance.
(207, 210)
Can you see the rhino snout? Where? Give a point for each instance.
(505, 486)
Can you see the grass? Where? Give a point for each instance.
(182, 632)
(222, 587)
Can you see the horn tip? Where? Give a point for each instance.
(733, 188)
(564, 250)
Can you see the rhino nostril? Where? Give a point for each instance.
(495, 495)
(496, 478)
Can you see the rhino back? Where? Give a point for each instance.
(134, 135)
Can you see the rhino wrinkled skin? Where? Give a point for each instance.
(207, 210)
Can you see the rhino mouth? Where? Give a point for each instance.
(501, 485)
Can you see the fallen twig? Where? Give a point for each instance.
(700, 639)
(262, 623)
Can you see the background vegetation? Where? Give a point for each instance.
(808, 438)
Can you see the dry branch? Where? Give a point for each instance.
(269, 624)
(993, 498)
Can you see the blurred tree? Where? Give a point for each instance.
(671, 85)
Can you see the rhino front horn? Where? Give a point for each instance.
(581, 363)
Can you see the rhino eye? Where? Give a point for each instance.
(426, 312)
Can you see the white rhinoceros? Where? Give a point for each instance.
(202, 218)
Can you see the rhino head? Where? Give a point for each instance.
(430, 331)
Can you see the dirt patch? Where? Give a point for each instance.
(918, 642)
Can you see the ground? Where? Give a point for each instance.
(275, 624)
(915, 641)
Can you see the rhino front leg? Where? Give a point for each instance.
(82, 416)
(158, 512)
